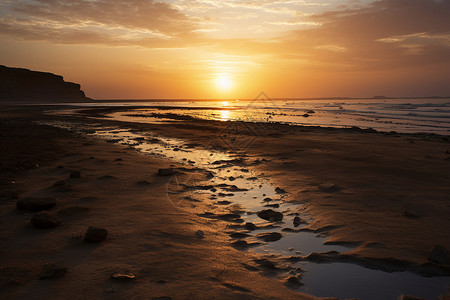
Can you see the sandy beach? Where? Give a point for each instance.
(385, 196)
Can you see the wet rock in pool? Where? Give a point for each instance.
(297, 221)
(293, 282)
(329, 187)
(279, 190)
(440, 255)
(35, 204)
(45, 220)
(270, 215)
(75, 174)
(199, 234)
(250, 226)
(238, 235)
(242, 245)
(270, 236)
(52, 271)
(126, 276)
(166, 172)
(95, 234)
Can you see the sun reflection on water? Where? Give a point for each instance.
(225, 115)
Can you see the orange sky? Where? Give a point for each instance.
(233, 49)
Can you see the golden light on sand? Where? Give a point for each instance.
(224, 82)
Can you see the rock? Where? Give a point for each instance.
(250, 226)
(95, 234)
(440, 255)
(166, 172)
(200, 234)
(241, 244)
(162, 298)
(270, 236)
(75, 174)
(297, 221)
(329, 187)
(279, 190)
(293, 282)
(52, 271)
(270, 215)
(35, 204)
(265, 263)
(123, 276)
(45, 220)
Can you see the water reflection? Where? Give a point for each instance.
(225, 115)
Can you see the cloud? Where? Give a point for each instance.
(97, 22)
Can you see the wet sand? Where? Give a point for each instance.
(386, 195)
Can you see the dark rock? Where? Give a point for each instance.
(199, 234)
(238, 235)
(75, 174)
(35, 204)
(45, 220)
(162, 298)
(266, 264)
(270, 236)
(293, 282)
(250, 226)
(440, 255)
(123, 276)
(231, 178)
(270, 215)
(144, 182)
(52, 271)
(166, 172)
(272, 205)
(95, 234)
(279, 190)
(297, 221)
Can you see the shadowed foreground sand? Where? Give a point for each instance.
(386, 195)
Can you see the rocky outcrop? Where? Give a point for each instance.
(24, 85)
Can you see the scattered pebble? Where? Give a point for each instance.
(123, 276)
(45, 220)
(279, 190)
(52, 271)
(200, 234)
(95, 234)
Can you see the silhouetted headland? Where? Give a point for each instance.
(23, 85)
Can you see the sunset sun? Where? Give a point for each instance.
(224, 83)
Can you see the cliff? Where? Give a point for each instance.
(24, 85)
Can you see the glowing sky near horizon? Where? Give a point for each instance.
(233, 49)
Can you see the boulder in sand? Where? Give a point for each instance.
(297, 221)
(250, 226)
(52, 271)
(270, 215)
(293, 282)
(45, 220)
(440, 255)
(35, 204)
(95, 234)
